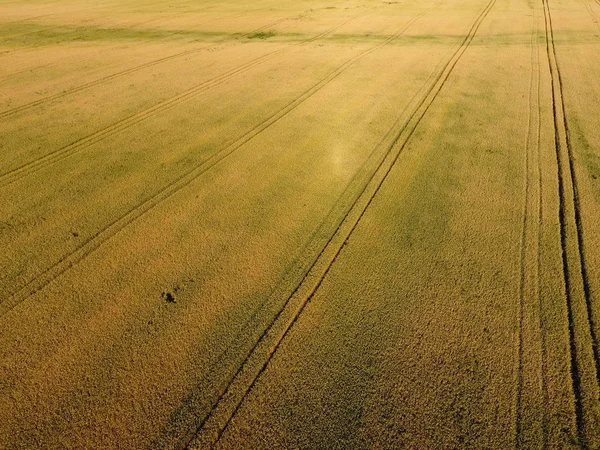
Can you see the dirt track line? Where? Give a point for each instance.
(28, 33)
(99, 81)
(26, 19)
(102, 80)
(577, 210)
(20, 108)
(94, 242)
(29, 69)
(576, 200)
(289, 313)
(48, 159)
(21, 2)
(541, 324)
(574, 368)
(300, 267)
(573, 258)
(540, 217)
(526, 289)
(96, 7)
(591, 13)
(53, 27)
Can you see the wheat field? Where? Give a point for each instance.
(320, 224)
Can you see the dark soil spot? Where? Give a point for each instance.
(168, 296)
(75, 234)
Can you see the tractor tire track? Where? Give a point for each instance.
(300, 267)
(540, 216)
(27, 19)
(107, 78)
(529, 288)
(97, 7)
(592, 14)
(245, 378)
(53, 157)
(102, 80)
(99, 81)
(584, 376)
(29, 69)
(116, 226)
(54, 27)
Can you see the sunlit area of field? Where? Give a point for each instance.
(308, 224)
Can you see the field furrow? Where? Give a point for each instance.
(583, 343)
(270, 340)
(531, 430)
(81, 87)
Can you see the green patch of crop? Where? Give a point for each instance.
(401, 40)
(261, 35)
(589, 157)
(33, 35)
(436, 181)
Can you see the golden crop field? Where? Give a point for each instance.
(317, 224)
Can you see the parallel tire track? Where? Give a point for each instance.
(529, 290)
(540, 203)
(99, 81)
(97, 7)
(29, 69)
(25, 19)
(592, 14)
(102, 80)
(125, 72)
(261, 353)
(54, 27)
(116, 226)
(577, 289)
(123, 124)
